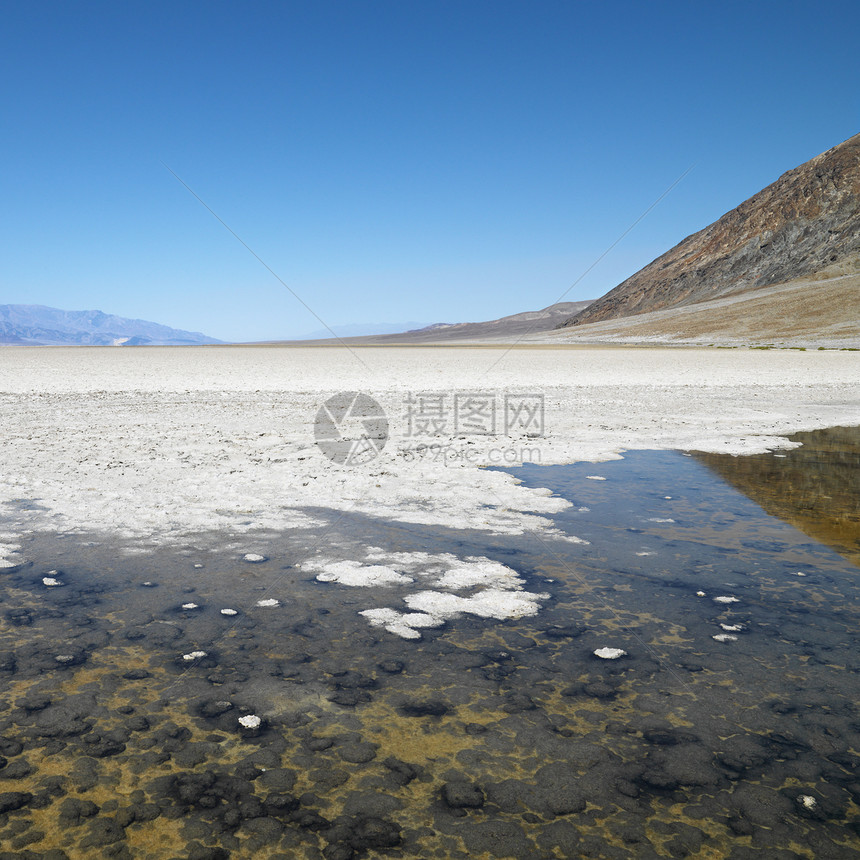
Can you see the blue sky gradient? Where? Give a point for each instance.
(391, 161)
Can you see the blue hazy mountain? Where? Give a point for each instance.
(360, 330)
(37, 324)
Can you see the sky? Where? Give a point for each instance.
(390, 160)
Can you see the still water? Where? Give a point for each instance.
(137, 720)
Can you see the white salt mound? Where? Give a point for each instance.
(190, 606)
(610, 653)
(807, 801)
(269, 601)
(725, 637)
(595, 477)
(477, 571)
(732, 628)
(356, 574)
(229, 612)
(50, 581)
(489, 603)
(253, 557)
(250, 721)
(194, 655)
(724, 599)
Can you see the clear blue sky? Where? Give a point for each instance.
(391, 161)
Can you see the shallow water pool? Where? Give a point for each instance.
(729, 727)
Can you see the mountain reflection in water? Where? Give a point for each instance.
(815, 488)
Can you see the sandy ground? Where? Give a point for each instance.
(808, 312)
(155, 444)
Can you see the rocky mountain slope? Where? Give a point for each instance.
(807, 220)
(40, 325)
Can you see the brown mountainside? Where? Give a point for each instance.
(807, 220)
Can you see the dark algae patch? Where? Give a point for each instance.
(138, 721)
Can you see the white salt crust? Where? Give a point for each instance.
(610, 653)
(493, 589)
(221, 439)
(250, 721)
(9, 556)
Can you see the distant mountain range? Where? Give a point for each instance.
(40, 325)
(802, 229)
(360, 330)
(515, 325)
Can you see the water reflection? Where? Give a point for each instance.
(815, 487)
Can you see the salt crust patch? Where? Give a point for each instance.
(443, 570)
(221, 439)
(9, 554)
(610, 653)
(355, 573)
(493, 590)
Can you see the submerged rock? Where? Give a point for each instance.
(461, 794)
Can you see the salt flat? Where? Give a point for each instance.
(155, 444)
